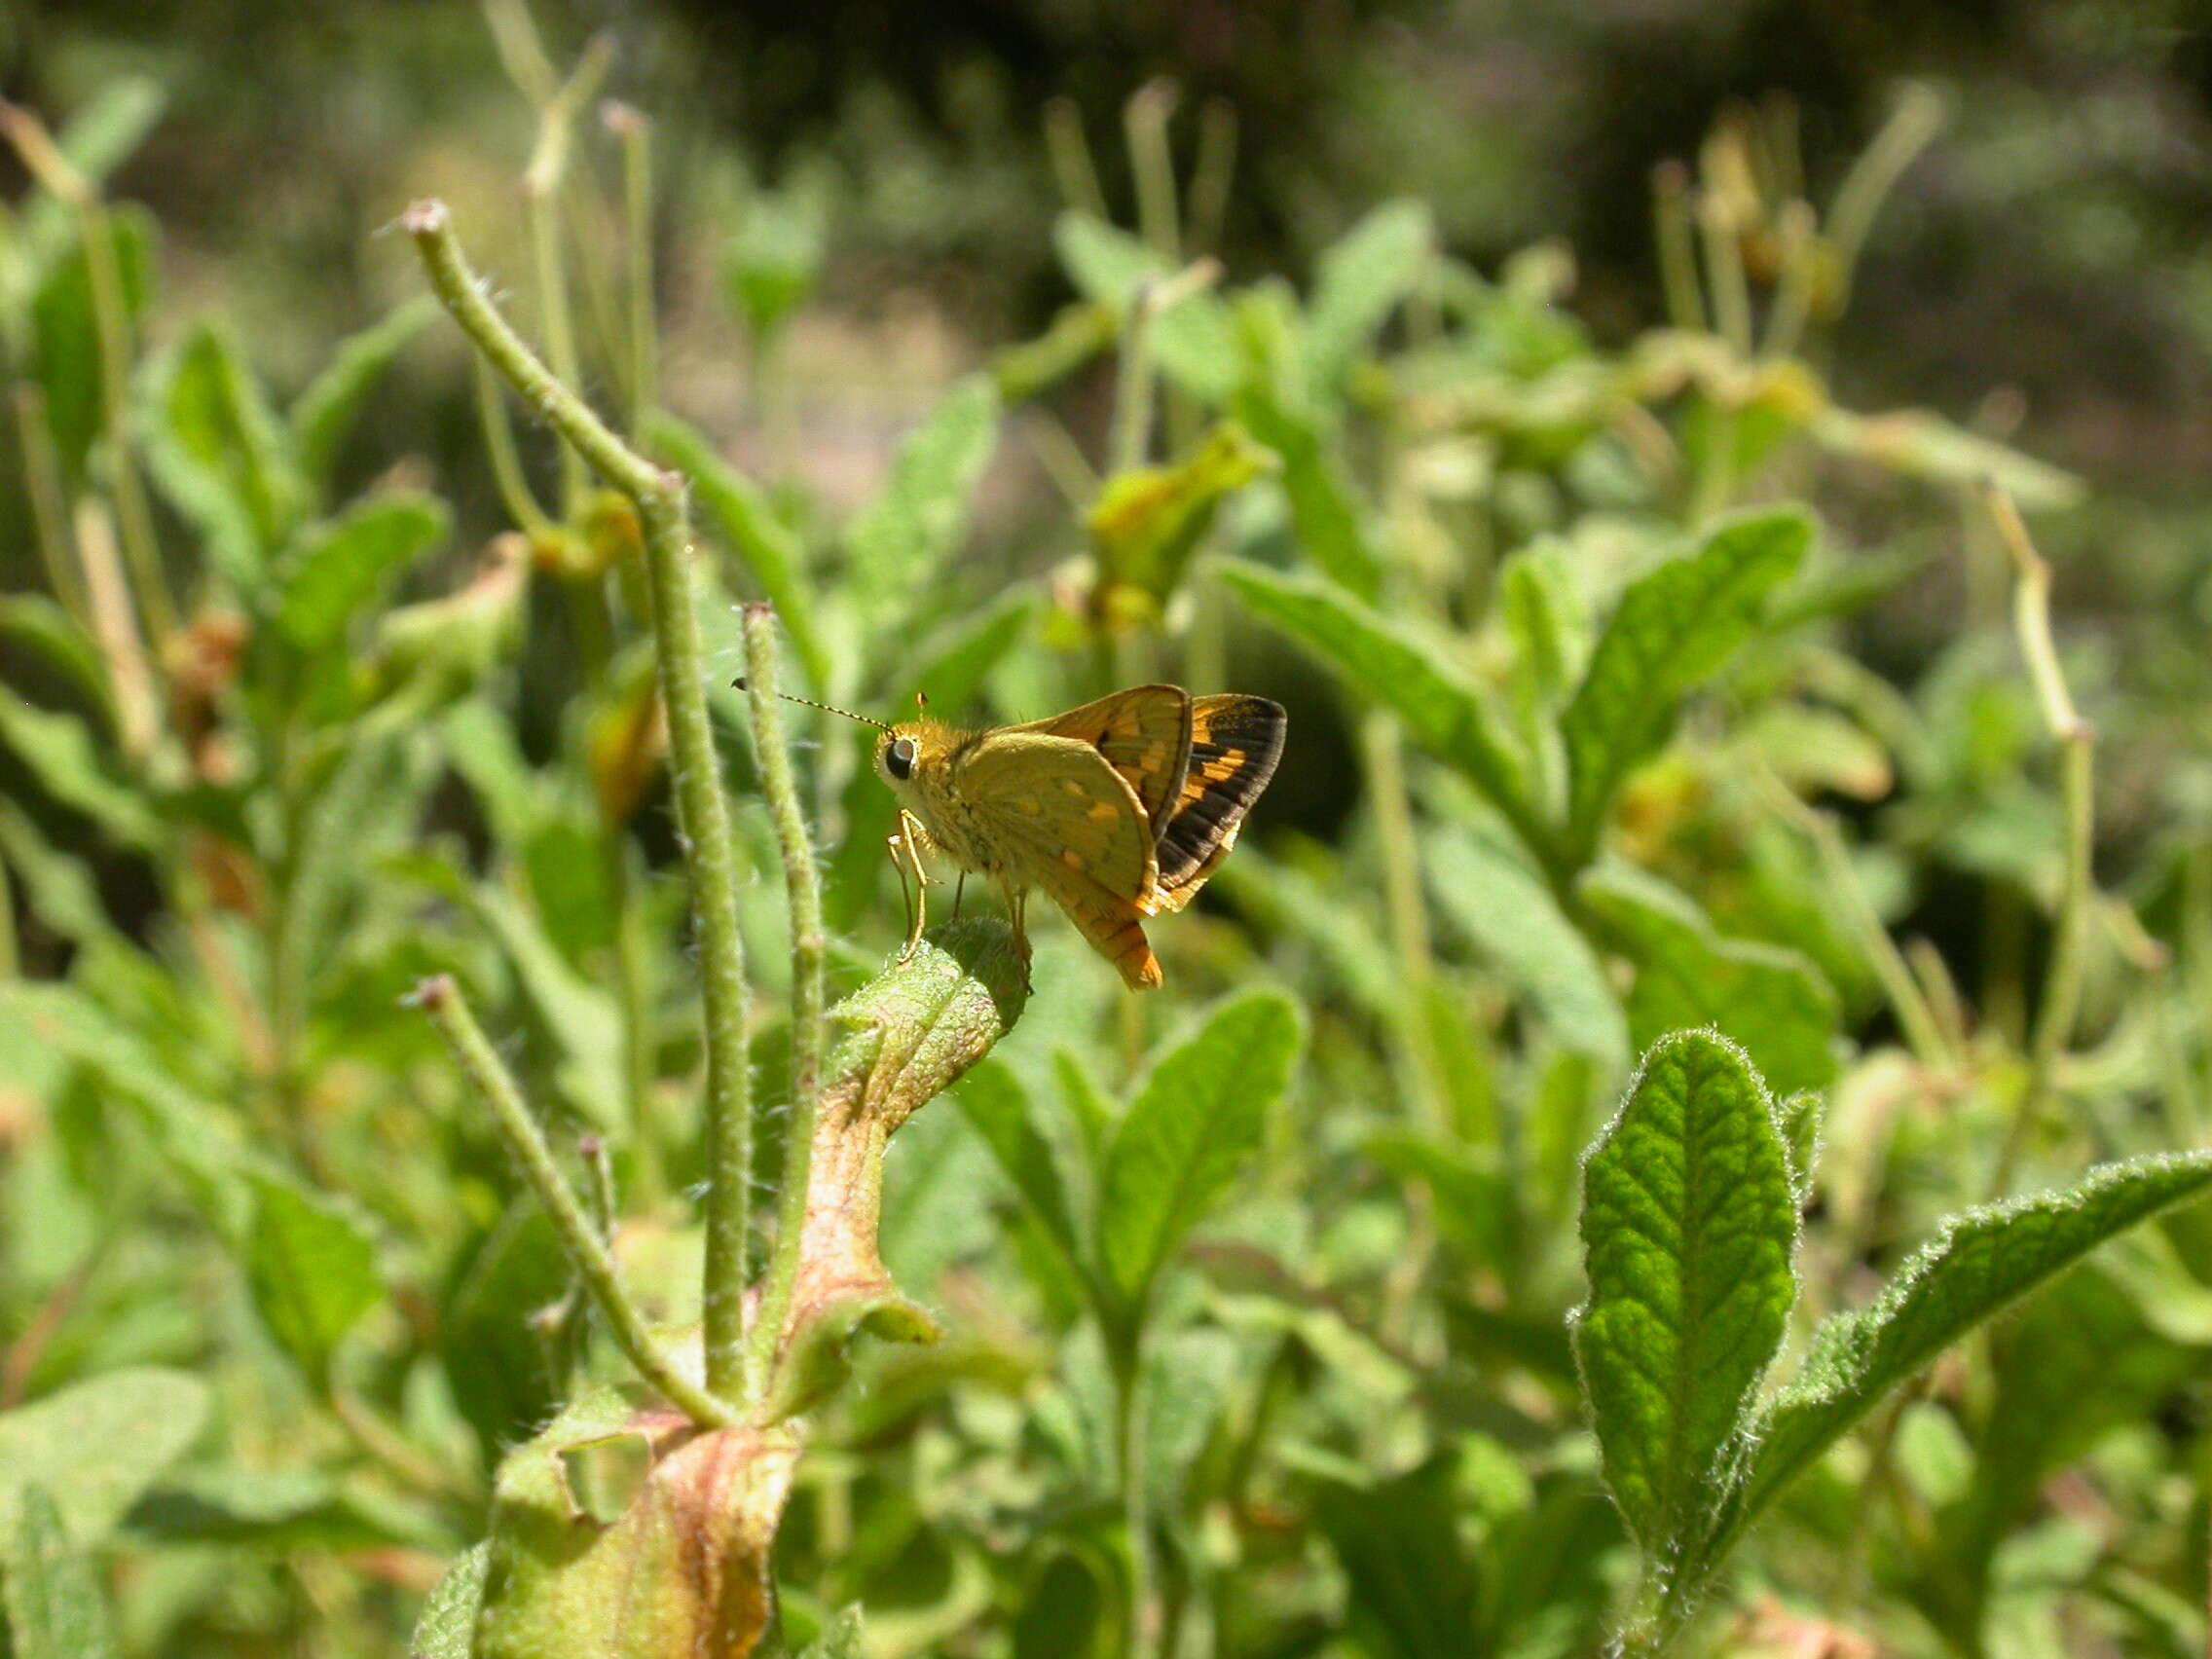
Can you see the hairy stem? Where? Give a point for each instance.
(702, 813)
(441, 999)
(810, 951)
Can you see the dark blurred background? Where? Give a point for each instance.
(2050, 242)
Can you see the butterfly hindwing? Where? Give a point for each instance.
(1145, 735)
(1236, 742)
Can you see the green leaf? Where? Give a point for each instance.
(59, 752)
(993, 1100)
(1198, 1116)
(321, 416)
(504, 1377)
(1358, 282)
(1980, 1262)
(344, 565)
(747, 523)
(1497, 901)
(1412, 1588)
(40, 626)
(842, 1638)
(274, 1512)
(1688, 1225)
(1674, 627)
(1443, 713)
(55, 1606)
(901, 539)
(1771, 1001)
(1187, 1376)
(447, 1626)
(312, 1268)
(1194, 342)
(220, 454)
(1326, 514)
(97, 1445)
(66, 338)
(1146, 522)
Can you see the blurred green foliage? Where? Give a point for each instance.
(1651, 694)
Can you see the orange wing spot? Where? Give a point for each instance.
(1103, 812)
(1074, 786)
(1070, 858)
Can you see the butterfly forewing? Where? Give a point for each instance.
(1145, 735)
(1236, 742)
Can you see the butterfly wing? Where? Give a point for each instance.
(1145, 735)
(1236, 742)
(1066, 820)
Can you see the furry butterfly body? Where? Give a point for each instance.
(1120, 810)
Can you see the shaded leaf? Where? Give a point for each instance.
(66, 339)
(220, 455)
(94, 1447)
(1688, 1226)
(903, 535)
(1512, 917)
(1674, 627)
(55, 1606)
(1769, 1000)
(1980, 1262)
(321, 417)
(345, 563)
(1197, 1119)
(747, 523)
(1443, 713)
(994, 1102)
(1412, 1590)
(1358, 282)
(312, 1269)
(44, 628)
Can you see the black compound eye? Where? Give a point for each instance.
(899, 758)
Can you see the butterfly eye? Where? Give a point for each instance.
(899, 758)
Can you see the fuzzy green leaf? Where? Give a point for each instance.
(447, 1626)
(321, 417)
(1981, 1262)
(345, 564)
(908, 530)
(66, 339)
(1770, 1000)
(1198, 1116)
(55, 1606)
(312, 1269)
(1513, 919)
(44, 628)
(1674, 627)
(1146, 522)
(59, 752)
(97, 1445)
(1688, 1225)
(1445, 715)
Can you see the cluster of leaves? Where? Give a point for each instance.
(1295, 1323)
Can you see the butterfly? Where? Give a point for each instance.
(1119, 810)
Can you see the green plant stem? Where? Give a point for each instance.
(636, 136)
(1144, 121)
(545, 215)
(1850, 216)
(632, 982)
(1677, 248)
(1797, 286)
(1126, 1356)
(702, 812)
(1069, 152)
(50, 510)
(1213, 175)
(810, 952)
(2061, 1003)
(1724, 272)
(515, 493)
(1133, 393)
(441, 1000)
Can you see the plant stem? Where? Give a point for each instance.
(1677, 248)
(1144, 122)
(1850, 216)
(1126, 1356)
(1213, 175)
(50, 511)
(441, 1000)
(636, 134)
(810, 951)
(515, 494)
(702, 813)
(1069, 152)
(2061, 1003)
(1132, 405)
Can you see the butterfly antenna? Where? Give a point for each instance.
(826, 708)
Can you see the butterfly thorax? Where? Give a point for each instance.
(955, 824)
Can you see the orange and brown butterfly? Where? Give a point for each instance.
(1120, 809)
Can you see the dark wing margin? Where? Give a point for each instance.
(1236, 742)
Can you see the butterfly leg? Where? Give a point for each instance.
(959, 887)
(1017, 915)
(906, 852)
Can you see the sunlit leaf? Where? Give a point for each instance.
(58, 751)
(94, 1447)
(1358, 282)
(902, 536)
(53, 1602)
(221, 454)
(1194, 341)
(344, 565)
(312, 1269)
(1688, 1227)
